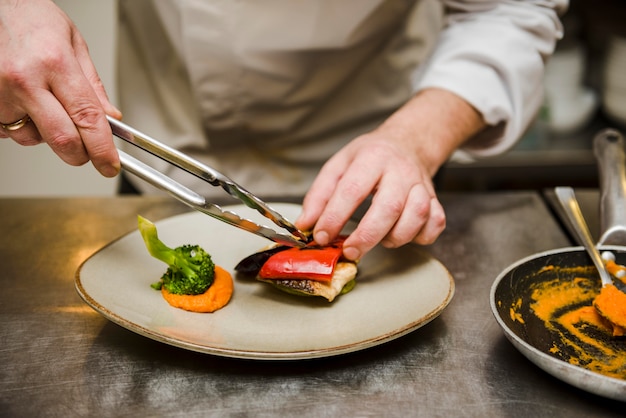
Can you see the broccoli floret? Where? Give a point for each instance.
(190, 268)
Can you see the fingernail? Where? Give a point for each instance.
(321, 237)
(110, 170)
(351, 253)
(114, 112)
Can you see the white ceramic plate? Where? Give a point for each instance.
(397, 292)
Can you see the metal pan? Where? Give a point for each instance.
(583, 357)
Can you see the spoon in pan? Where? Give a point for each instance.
(611, 303)
(568, 201)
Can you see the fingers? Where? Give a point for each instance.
(342, 185)
(77, 131)
(395, 218)
(319, 193)
(422, 220)
(57, 85)
(21, 130)
(404, 206)
(91, 74)
(84, 135)
(84, 100)
(59, 130)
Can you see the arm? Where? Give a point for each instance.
(46, 73)
(478, 80)
(492, 53)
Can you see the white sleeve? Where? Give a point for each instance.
(493, 54)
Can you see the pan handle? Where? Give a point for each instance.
(609, 150)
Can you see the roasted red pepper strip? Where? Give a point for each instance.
(311, 262)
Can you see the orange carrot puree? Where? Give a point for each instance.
(611, 303)
(215, 297)
(564, 304)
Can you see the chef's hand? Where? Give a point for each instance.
(394, 164)
(48, 80)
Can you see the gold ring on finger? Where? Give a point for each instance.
(14, 126)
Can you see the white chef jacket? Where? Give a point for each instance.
(265, 91)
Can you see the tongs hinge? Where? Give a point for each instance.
(195, 200)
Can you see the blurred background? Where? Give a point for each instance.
(585, 92)
(37, 171)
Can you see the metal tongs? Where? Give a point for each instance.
(295, 238)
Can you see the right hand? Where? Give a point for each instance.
(46, 72)
(394, 164)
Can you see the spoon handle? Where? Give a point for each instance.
(572, 209)
(609, 149)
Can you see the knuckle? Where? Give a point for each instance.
(393, 208)
(439, 221)
(86, 115)
(430, 234)
(392, 242)
(21, 73)
(422, 209)
(396, 239)
(351, 190)
(69, 147)
(14, 76)
(54, 57)
(62, 141)
(437, 215)
(365, 239)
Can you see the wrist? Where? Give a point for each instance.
(433, 124)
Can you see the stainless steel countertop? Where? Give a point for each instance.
(60, 358)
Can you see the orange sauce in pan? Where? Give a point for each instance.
(581, 335)
(611, 304)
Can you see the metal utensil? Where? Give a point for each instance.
(296, 238)
(514, 287)
(610, 151)
(568, 201)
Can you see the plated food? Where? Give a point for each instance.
(407, 283)
(310, 271)
(192, 281)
